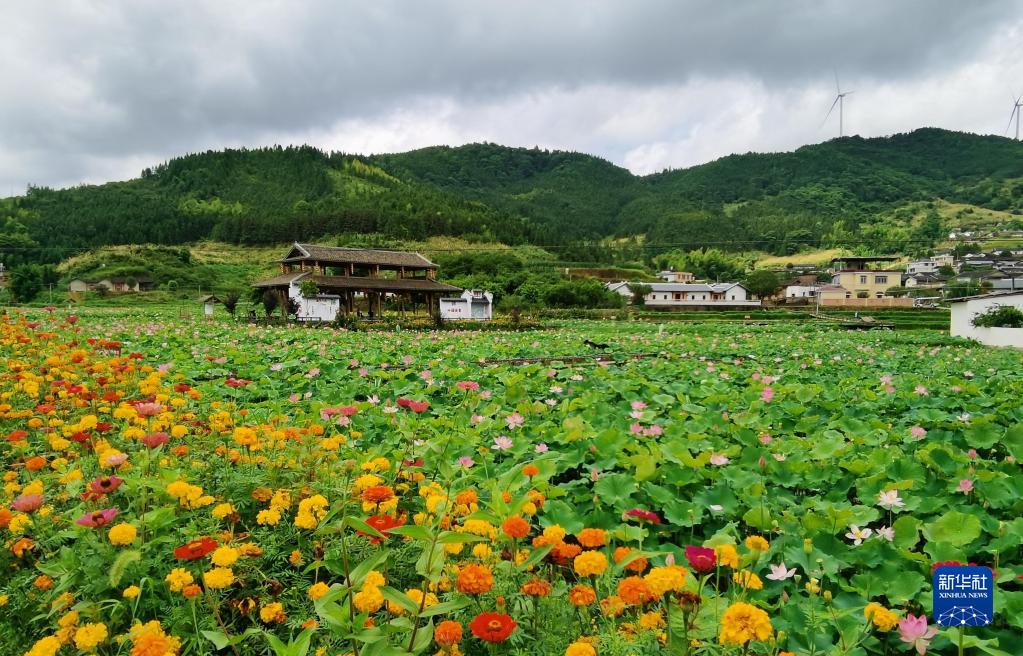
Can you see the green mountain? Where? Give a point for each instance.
(895, 194)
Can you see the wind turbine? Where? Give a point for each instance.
(1016, 104)
(840, 101)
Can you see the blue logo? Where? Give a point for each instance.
(963, 595)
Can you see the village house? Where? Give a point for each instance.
(119, 285)
(670, 294)
(801, 291)
(473, 304)
(922, 266)
(964, 310)
(676, 276)
(341, 275)
(854, 275)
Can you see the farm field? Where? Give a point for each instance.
(176, 487)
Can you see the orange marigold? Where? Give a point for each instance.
(515, 527)
(612, 606)
(638, 565)
(448, 633)
(466, 497)
(582, 595)
(475, 579)
(565, 551)
(591, 538)
(536, 588)
(635, 591)
(531, 470)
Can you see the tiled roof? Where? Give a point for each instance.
(341, 255)
(384, 284)
(281, 280)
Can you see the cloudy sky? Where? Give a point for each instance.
(95, 90)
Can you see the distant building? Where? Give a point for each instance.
(801, 291)
(343, 274)
(854, 275)
(676, 276)
(965, 309)
(474, 304)
(922, 266)
(673, 294)
(78, 285)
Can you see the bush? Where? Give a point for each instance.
(999, 316)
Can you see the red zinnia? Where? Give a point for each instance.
(383, 523)
(17, 435)
(642, 515)
(701, 559)
(492, 627)
(195, 549)
(418, 406)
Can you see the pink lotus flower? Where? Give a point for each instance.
(514, 420)
(541, 448)
(718, 459)
(636, 429)
(965, 486)
(920, 390)
(918, 432)
(466, 461)
(780, 573)
(766, 395)
(97, 518)
(914, 631)
(765, 438)
(27, 503)
(153, 440)
(638, 405)
(502, 443)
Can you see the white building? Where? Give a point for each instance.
(676, 276)
(965, 309)
(672, 294)
(801, 291)
(923, 266)
(474, 304)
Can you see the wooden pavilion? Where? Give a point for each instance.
(346, 272)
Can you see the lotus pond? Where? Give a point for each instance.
(173, 487)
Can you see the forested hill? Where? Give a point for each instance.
(843, 192)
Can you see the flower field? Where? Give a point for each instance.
(181, 488)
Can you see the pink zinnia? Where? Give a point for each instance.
(153, 440)
(148, 409)
(105, 485)
(97, 518)
(468, 385)
(27, 503)
(913, 630)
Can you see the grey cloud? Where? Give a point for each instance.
(117, 81)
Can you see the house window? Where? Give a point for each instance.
(881, 280)
(863, 280)
(848, 294)
(678, 297)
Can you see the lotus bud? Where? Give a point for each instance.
(827, 596)
(807, 546)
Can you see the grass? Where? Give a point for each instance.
(822, 256)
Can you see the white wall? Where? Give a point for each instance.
(962, 318)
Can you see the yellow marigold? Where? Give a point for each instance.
(366, 481)
(272, 612)
(89, 636)
(122, 534)
(150, 640)
(757, 543)
(268, 517)
(225, 556)
(47, 646)
(69, 618)
(748, 580)
(318, 590)
(590, 563)
(742, 623)
(882, 618)
(218, 577)
(554, 533)
(415, 595)
(663, 580)
(222, 510)
(178, 579)
(131, 592)
(374, 578)
(311, 511)
(178, 431)
(727, 555)
(579, 648)
(19, 524)
(475, 579)
(369, 599)
(582, 595)
(651, 620)
(591, 538)
(480, 527)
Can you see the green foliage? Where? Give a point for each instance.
(999, 316)
(763, 283)
(308, 288)
(26, 282)
(639, 293)
(707, 264)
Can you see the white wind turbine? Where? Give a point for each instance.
(1016, 104)
(840, 101)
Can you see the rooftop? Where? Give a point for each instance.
(341, 255)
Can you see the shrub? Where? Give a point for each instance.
(999, 316)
